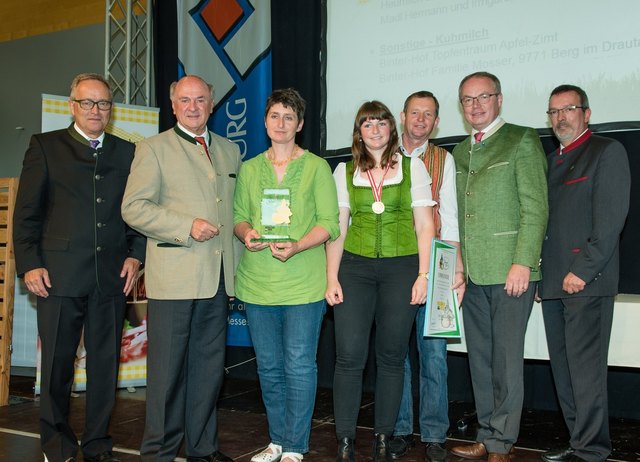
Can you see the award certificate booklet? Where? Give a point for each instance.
(442, 317)
(275, 215)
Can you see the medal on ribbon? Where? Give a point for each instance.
(378, 205)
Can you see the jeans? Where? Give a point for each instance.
(285, 339)
(434, 399)
(376, 291)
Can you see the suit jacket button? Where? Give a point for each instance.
(99, 200)
(98, 249)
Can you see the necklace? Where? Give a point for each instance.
(280, 163)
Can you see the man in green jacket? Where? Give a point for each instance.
(502, 202)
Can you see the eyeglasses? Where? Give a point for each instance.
(467, 101)
(565, 110)
(87, 104)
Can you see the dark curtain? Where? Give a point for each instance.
(165, 51)
(297, 48)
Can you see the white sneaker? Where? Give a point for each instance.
(292, 456)
(271, 453)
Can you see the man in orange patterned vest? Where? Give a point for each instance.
(419, 118)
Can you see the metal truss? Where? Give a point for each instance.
(128, 50)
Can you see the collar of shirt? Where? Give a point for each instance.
(584, 136)
(417, 152)
(193, 135)
(86, 137)
(488, 130)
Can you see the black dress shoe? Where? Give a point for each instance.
(381, 450)
(346, 452)
(106, 456)
(399, 445)
(434, 452)
(558, 455)
(215, 457)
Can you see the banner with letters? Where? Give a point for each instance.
(228, 43)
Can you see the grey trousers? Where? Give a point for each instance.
(495, 324)
(578, 332)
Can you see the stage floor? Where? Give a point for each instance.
(243, 427)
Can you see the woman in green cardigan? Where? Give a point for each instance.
(285, 208)
(377, 271)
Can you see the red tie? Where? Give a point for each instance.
(200, 140)
(478, 136)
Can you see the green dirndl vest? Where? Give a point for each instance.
(389, 234)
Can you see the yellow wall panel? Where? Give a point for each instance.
(24, 18)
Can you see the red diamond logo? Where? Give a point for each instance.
(220, 16)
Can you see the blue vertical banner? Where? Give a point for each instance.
(228, 43)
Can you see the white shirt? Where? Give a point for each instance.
(420, 183)
(88, 138)
(205, 135)
(488, 130)
(448, 195)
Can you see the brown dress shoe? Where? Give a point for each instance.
(471, 451)
(495, 457)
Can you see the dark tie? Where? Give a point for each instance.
(94, 143)
(478, 136)
(200, 140)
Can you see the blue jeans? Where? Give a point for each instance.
(434, 398)
(285, 339)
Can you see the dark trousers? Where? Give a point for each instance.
(578, 331)
(376, 290)
(495, 325)
(185, 370)
(60, 326)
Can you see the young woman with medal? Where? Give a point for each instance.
(377, 271)
(285, 208)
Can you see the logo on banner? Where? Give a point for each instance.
(228, 44)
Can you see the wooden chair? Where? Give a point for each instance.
(8, 190)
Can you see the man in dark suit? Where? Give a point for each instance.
(589, 187)
(80, 259)
(180, 195)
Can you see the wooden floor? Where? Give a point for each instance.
(243, 427)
